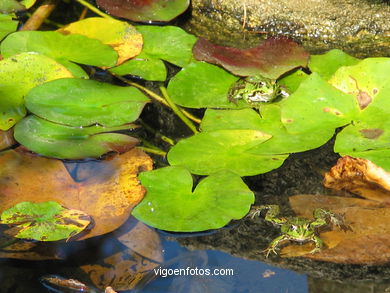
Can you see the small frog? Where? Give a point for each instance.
(256, 90)
(298, 229)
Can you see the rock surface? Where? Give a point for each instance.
(359, 27)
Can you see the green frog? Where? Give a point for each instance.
(256, 90)
(298, 229)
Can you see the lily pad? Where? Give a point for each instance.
(120, 35)
(64, 49)
(81, 102)
(8, 6)
(270, 59)
(210, 152)
(200, 85)
(145, 10)
(106, 190)
(327, 64)
(45, 221)
(65, 142)
(7, 25)
(316, 104)
(172, 204)
(19, 74)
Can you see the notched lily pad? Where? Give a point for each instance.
(45, 221)
(18, 75)
(81, 102)
(120, 35)
(270, 59)
(66, 142)
(172, 204)
(145, 10)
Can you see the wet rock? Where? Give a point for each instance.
(359, 27)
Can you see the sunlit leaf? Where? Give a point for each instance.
(145, 10)
(105, 190)
(18, 75)
(45, 221)
(7, 25)
(74, 48)
(66, 142)
(81, 102)
(291, 81)
(172, 204)
(367, 241)
(327, 64)
(120, 35)
(201, 85)
(270, 59)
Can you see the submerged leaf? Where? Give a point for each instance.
(120, 35)
(105, 190)
(45, 221)
(270, 59)
(172, 204)
(18, 75)
(145, 10)
(81, 102)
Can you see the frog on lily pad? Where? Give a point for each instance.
(299, 229)
(256, 90)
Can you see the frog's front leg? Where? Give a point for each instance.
(273, 245)
(270, 216)
(319, 244)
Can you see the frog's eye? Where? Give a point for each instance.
(294, 228)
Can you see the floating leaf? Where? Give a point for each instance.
(171, 204)
(292, 81)
(120, 35)
(6, 139)
(74, 48)
(201, 85)
(327, 64)
(167, 43)
(270, 59)
(105, 190)
(145, 10)
(81, 102)
(18, 75)
(366, 243)
(8, 6)
(209, 152)
(65, 142)
(316, 104)
(7, 25)
(45, 221)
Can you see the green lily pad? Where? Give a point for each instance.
(45, 221)
(292, 80)
(364, 80)
(145, 10)
(83, 102)
(282, 142)
(8, 6)
(201, 85)
(65, 142)
(168, 43)
(74, 48)
(327, 64)
(18, 75)
(270, 59)
(7, 25)
(210, 152)
(317, 104)
(172, 204)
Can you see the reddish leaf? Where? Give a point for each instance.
(145, 10)
(270, 59)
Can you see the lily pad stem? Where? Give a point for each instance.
(158, 134)
(94, 9)
(153, 151)
(155, 96)
(39, 16)
(177, 111)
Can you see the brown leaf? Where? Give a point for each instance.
(6, 139)
(107, 190)
(368, 242)
(361, 177)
